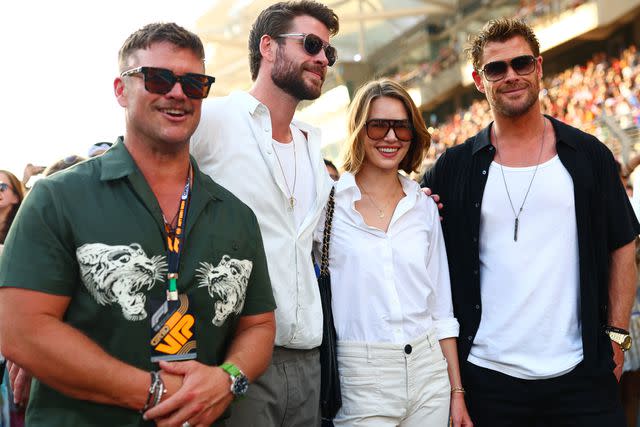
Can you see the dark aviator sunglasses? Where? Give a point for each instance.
(4, 187)
(377, 129)
(312, 44)
(161, 81)
(497, 70)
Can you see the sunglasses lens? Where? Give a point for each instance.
(495, 70)
(196, 86)
(312, 44)
(3, 187)
(403, 131)
(377, 129)
(159, 80)
(332, 55)
(523, 64)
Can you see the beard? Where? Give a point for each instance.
(288, 77)
(518, 108)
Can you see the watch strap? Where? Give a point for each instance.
(616, 330)
(231, 369)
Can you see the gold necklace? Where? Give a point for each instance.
(292, 199)
(517, 216)
(381, 211)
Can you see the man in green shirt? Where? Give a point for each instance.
(135, 239)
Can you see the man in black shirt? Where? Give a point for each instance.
(540, 239)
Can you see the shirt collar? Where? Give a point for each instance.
(562, 131)
(347, 182)
(117, 163)
(254, 107)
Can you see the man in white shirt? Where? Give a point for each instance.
(249, 142)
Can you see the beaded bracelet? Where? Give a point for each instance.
(457, 390)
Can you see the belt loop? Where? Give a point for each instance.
(369, 355)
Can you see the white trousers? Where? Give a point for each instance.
(393, 384)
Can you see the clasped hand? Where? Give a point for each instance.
(201, 398)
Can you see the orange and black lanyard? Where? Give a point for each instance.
(175, 241)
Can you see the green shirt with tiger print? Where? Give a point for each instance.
(95, 233)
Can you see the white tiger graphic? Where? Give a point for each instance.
(117, 274)
(227, 282)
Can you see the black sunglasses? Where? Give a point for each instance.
(497, 70)
(161, 81)
(313, 44)
(4, 187)
(379, 128)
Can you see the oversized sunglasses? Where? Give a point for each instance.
(161, 81)
(4, 187)
(497, 70)
(312, 44)
(379, 128)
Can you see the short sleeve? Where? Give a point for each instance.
(39, 252)
(622, 224)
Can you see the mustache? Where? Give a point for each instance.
(318, 69)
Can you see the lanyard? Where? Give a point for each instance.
(175, 241)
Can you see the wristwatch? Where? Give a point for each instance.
(239, 381)
(619, 336)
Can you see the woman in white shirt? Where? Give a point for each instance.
(390, 285)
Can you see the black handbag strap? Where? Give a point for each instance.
(324, 259)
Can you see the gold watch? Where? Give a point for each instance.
(619, 336)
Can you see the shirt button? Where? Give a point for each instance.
(475, 272)
(484, 172)
(267, 129)
(475, 240)
(470, 338)
(477, 205)
(477, 306)
(491, 148)
(408, 349)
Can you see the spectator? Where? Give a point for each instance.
(133, 287)
(391, 295)
(543, 295)
(287, 185)
(98, 149)
(11, 196)
(62, 164)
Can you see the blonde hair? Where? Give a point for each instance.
(358, 114)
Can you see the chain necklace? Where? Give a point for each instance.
(517, 215)
(375, 205)
(291, 199)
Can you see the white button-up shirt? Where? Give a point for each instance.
(388, 287)
(233, 144)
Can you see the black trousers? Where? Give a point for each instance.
(580, 398)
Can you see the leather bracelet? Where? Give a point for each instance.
(458, 390)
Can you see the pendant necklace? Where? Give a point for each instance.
(517, 215)
(291, 198)
(375, 205)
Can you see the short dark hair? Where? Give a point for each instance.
(156, 33)
(276, 19)
(500, 30)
